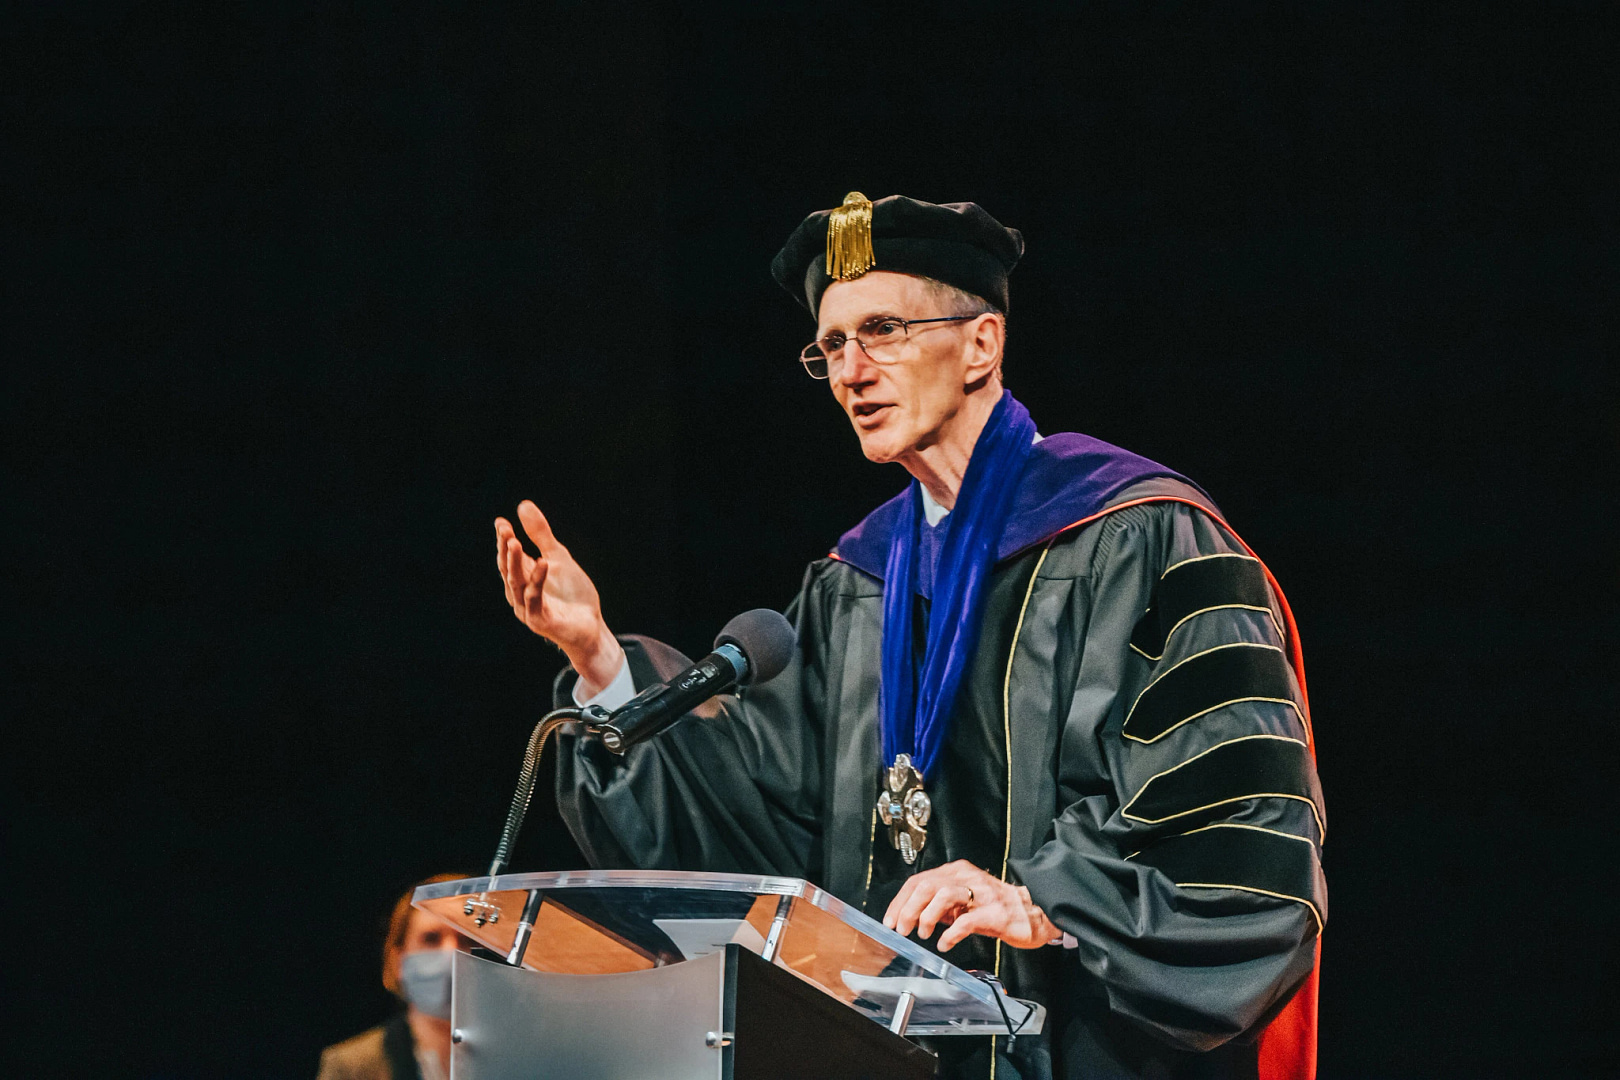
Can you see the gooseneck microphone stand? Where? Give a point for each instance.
(526, 780)
(481, 908)
(755, 645)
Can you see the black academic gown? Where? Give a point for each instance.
(1128, 744)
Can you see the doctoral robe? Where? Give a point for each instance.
(1131, 743)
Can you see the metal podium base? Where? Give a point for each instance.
(725, 1016)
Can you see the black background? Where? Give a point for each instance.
(300, 297)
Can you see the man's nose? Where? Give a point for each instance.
(855, 366)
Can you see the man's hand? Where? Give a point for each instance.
(969, 901)
(553, 597)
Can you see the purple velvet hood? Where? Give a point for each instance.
(1070, 477)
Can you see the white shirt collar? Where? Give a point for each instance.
(934, 513)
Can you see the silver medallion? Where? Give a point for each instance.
(905, 808)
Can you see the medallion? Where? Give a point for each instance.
(905, 808)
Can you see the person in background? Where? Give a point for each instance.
(414, 1044)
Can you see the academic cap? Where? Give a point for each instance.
(957, 243)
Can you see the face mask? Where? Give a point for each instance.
(424, 980)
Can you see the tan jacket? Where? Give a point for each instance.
(359, 1058)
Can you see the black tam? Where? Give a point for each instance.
(957, 243)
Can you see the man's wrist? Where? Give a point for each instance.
(597, 664)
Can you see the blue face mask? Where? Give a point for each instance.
(424, 981)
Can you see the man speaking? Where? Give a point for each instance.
(1046, 703)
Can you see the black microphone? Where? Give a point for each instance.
(753, 647)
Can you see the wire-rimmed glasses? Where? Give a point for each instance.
(880, 338)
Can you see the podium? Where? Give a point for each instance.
(647, 973)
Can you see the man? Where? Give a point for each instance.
(1045, 701)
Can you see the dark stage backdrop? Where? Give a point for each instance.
(299, 297)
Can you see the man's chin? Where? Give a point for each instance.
(878, 448)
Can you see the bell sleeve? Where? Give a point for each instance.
(1186, 862)
(734, 787)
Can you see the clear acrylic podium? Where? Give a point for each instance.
(645, 973)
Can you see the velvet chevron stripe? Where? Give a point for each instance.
(1206, 681)
(1231, 856)
(1253, 767)
(1193, 587)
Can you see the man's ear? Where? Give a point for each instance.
(987, 337)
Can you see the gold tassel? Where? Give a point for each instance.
(849, 238)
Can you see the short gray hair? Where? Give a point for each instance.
(959, 302)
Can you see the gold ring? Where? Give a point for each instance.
(969, 888)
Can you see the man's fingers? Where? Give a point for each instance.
(899, 901)
(946, 899)
(513, 574)
(503, 563)
(500, 545)
(906, 905)
(921, 888)
(940, 897)
(500, 554)
(519, 569)
(533, 589)
(536, 525)
(907, 919)
(979, 920)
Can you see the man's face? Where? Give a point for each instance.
(896, 407)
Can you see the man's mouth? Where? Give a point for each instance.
(869, 413)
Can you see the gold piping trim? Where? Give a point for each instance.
(1240, 798)
(1274, 700)
(1251, 888)
(1201, 558)
(1006, 732)
(1205, 611)
(871, 856)
(1232, 825)
(1125, 810)
(1251, 828)
(1188, 659)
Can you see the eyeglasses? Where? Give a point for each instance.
(881, 338)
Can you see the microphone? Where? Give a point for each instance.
(752, 648)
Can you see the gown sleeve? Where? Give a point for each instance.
(733, 787)
(1186, 862)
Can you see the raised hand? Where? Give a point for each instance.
(556, 599)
